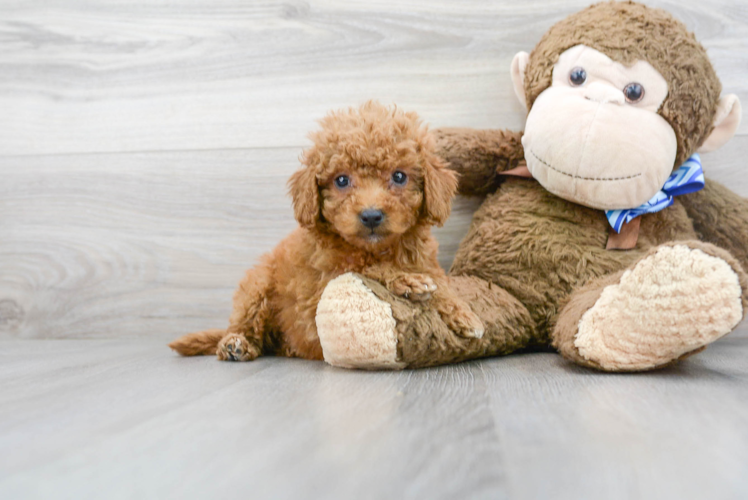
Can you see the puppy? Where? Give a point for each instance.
(366, 197)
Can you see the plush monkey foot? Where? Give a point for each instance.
(671, 303)
(356, 329)
(235, 347)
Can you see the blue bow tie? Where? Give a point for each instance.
(689, 178)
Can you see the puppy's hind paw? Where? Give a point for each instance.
(235, 347)
(465, 323)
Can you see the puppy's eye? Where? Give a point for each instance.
(634, 92)
(399, 178)
(577, 76)
(342, 181)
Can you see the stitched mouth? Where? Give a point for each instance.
(582, 177)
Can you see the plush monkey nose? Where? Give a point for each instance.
(604, 93)
(371, 217)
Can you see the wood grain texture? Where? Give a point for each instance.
(129, 419)
(116, 76)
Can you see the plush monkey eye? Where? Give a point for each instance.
(399, 178)
(633, 92)
(342, 181)
(577, 76)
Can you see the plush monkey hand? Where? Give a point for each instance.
(479, 156)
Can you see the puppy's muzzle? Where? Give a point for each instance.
(371, 218)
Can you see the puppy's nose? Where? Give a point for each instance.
(371, 217)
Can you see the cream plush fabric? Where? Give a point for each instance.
(669, 304)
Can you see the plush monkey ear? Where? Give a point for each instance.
(439, 187)
(519, 64)
(726, 122)
(302, 186)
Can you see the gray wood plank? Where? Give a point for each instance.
(677, 433)
(161, 426)
(145, 244)
(126, 417)
(117, 76)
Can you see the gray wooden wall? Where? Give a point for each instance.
(144, 146)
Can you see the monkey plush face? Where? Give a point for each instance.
(609, 119)
(595, 110)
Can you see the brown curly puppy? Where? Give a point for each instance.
(367, 196)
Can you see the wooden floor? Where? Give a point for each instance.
(144, 151)
(128, 419)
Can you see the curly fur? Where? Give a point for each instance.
(275, 305)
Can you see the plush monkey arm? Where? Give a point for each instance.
(479, 155)
(720, 217)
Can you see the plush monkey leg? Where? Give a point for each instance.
(362, 325)
(720, 217)
(671, 303)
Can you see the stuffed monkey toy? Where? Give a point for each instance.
(599, 236)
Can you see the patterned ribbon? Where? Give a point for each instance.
(689, 178)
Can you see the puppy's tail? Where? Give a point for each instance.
(200, 343)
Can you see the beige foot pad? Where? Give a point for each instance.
(356, 328)
(671, 303)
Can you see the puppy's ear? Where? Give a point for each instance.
(303, 188)
(439, 187)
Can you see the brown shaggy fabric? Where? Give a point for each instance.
(719, 217)
(529, 267)
(540, 247)
(424, 340)
(627, 32)
(567, 325)
(478, 156)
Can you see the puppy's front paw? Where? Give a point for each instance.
(235, 347)
(464, 322)
(413, 286)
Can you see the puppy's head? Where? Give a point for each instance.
(371, 176)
